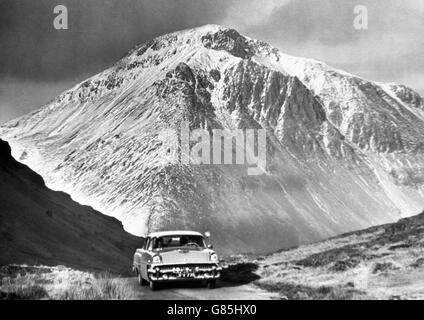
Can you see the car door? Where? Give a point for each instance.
(144, 259)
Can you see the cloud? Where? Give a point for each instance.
(390, 50)
(34, 54)
(248, 13)
(100, 32)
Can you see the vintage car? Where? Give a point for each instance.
(175, 256)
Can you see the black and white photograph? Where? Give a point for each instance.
(212, 150)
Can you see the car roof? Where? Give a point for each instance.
(171, 233)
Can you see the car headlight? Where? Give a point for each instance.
(214, 257)
(157, 259)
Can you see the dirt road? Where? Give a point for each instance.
(193, 291)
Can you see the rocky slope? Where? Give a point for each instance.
(383, 262)
(343, 153)
(40, 226)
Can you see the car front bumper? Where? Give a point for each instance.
(163, 273)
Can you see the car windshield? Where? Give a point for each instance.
(178, 241)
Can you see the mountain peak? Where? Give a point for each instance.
(210, 36)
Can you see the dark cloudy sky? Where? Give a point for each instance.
(37, 62)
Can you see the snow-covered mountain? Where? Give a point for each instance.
(343, 153)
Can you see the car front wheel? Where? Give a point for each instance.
(141, 281)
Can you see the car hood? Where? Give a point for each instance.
(185, 256)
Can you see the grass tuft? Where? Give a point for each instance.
(37, 282)
(102, 287)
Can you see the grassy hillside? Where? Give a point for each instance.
(41, 282)
(383, 262)
(41, 226)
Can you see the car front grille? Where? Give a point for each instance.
(188, 268)
(186, 271)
